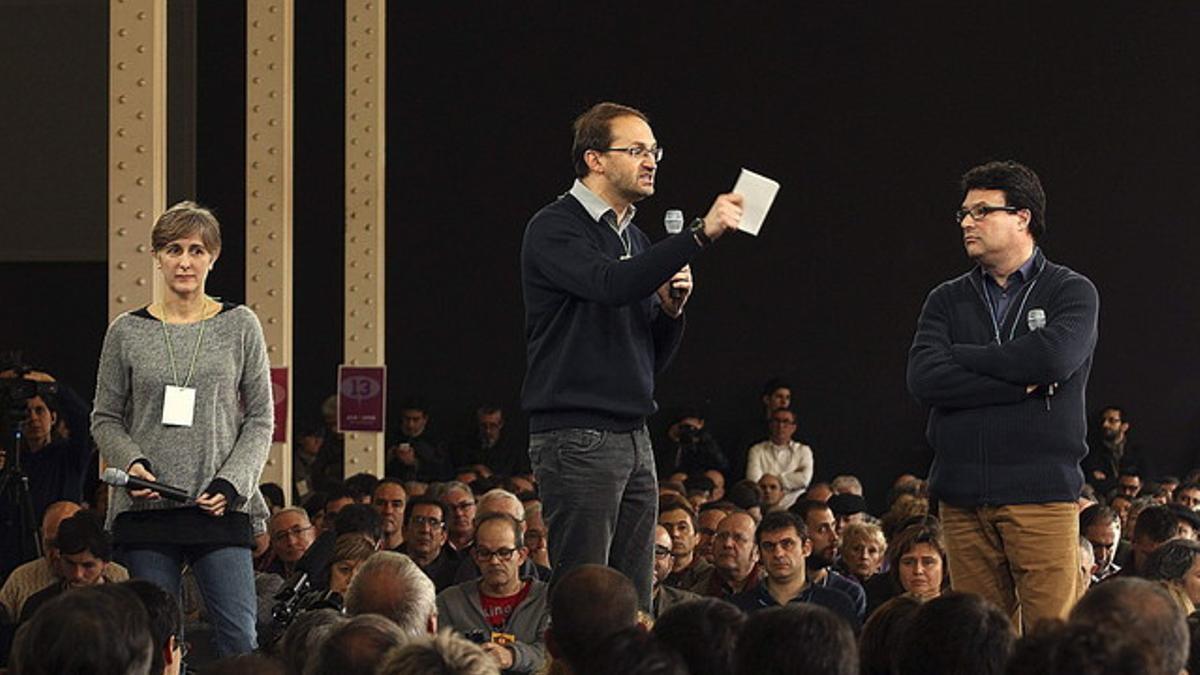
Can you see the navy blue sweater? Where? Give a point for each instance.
(993, 443)
(594, 328)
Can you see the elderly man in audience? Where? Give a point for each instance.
(783, 456)
(1101, 526)
(846, 484)
(391, 584)
(291, 534)
(507, 612)
(676, 515)
(460, 512)
(663, 597)
(425, 540)
(735, 558)
(822, 529)
(783, 544)
(389, 498)
(35, 575)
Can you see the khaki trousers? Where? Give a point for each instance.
(1023, 557)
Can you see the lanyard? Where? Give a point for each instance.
(171, 351)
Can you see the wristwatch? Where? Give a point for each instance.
(697, 229)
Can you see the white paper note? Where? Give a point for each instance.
(758, 192)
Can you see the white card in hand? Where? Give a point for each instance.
(758, 192)
(179, 406)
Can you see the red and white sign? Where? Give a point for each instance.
(362, 398)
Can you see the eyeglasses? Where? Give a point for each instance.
(484, 555)
(296, 532)
(981, 211)
(638, 151)
(462, 506)
(422, 521)
(661, 551)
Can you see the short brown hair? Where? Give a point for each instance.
(593, 131)
(184, 219)
(353, 546)
(677, 503)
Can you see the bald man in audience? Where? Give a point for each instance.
(35, 575)
(735, 558)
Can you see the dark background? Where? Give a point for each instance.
(867, 115)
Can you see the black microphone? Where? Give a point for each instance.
(118, 478)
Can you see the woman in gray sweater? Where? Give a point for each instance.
(183, 396)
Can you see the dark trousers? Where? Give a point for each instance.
(599, 496)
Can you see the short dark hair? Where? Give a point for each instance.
(1142, 609)
(1021, 186)
(389, 480)
(356, 646)
(166, 617)
(633, 650)
(804, 507)
(771, 635)
(94, 629)
(305, 635)
(424, 500)
(593, 131)
(956, 633)
(884, 633)
(272, 493)
(1097, 513)
(704, 632)
(1120, 411)
(588, 604)
(776, 521)
(1059, 648)
(84, 532)
(676, 503)
(361, 485)
(1158, 523)
(908, 539)
(359, 518)
(775, 383)
(746, 494)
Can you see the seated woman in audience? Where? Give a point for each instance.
(863, 549)
(916, 566)
(349, 551)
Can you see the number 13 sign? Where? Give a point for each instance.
(362, 398)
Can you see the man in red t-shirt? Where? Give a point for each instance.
(506, 613)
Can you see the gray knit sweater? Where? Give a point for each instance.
(231, 433)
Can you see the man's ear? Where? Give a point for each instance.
(431, 625)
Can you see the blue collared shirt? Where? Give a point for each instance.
(999, 298)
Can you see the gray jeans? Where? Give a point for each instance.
(600, 498)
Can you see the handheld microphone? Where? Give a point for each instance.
(118, 478)
(673, 221)
(1036, 318)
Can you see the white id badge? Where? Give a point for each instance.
(179, 406)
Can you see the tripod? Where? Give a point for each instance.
(20, 536)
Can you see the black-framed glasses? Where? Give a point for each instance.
(484, 555)
(981, 211)
(639, 151)
(661, 551)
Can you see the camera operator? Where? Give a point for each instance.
(689, 448)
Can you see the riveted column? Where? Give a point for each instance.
(269, 205)
(137, 139)
(365, 98)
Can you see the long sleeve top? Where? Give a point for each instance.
(792, 463)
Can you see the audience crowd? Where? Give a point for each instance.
(760, 566)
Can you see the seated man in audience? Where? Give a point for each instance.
(1102, 527)
(718, 481)
(35, 575)
(166, 626)
(425, 541)
(498, 501)
(677, 516)
(735, 559)
(819, 492)
(416, 454)
(537, 534)
(84, 551)
(460, 512)
(339, 497)
(822, 529)
(97, 629)
(291, 534)
(388, 499)
(783, 456)
(1155, 526)
(589, 603)
(392, 585)
(1142, 610)
(357, 646)
(663, 597)
(798, 638)
(511, 612)
(956, 633)
(490, 446)
(1188, 495)
(710, 516)
(848, 508)
(783, 544)
(772, 491)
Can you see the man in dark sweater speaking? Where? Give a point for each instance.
(1001, 356)
(603, 314)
